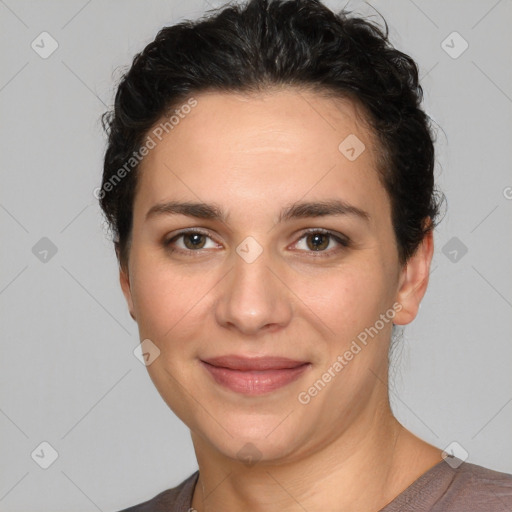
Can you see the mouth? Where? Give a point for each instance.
(254, 376)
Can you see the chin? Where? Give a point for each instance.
(254, 437)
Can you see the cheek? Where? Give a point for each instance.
(173, 305)
(346, 299)
(162, 297)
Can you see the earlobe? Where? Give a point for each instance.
(414, 281)
(124, 280)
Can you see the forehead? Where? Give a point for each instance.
(262, 149)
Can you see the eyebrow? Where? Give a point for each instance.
(299, 210)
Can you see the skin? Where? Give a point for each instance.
(252, 155)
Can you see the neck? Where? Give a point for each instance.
(361, 470)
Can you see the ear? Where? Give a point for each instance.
(414, 281)
(124, 279)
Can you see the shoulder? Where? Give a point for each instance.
(177, 499)
(456, 486)
(479, 488)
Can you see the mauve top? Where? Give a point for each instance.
(455, 487)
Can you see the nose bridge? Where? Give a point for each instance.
(252, 297)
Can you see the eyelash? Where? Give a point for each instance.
(344, 242)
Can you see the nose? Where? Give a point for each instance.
(254, 297)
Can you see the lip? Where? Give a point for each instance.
(234, 362)
(254, 376)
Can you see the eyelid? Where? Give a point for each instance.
(339, 238)
(334, 234)
(167, 242)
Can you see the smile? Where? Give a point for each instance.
(254, 376)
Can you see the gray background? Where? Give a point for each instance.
(68, 373)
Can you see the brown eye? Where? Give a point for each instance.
(189, 241)
(317, 241)
(194, 240)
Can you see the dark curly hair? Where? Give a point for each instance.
(273, 43)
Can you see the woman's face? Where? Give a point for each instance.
(256, 284)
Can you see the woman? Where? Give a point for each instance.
(269, 182)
